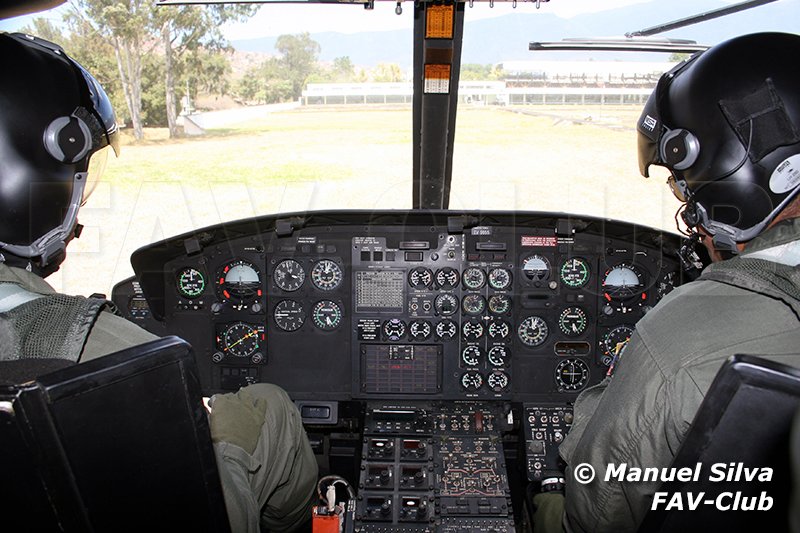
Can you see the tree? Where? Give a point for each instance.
(299, 55)
(86, 46)
(387, 72)
(186, 32)
(343, 69)
(127, 24)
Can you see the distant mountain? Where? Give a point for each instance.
(506, 38)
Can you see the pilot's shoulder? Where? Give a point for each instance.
(111, 333)
(711, 320)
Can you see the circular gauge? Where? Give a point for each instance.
(289, 275)
(420, 278)
(190, 282)
(497, 356)
(614, 341)
(473, 304)
(240, 339)
(536, 267)
(471, 380)
(472, 330)
(473, 278)
(499, 329)
(447, 278)
(326, 275)
(394, 329)
(420, 330)
(445, 304)
(499, 279)
(471, 355)
(497, 381)
(575, 272)
(571, 374)
(289, 315)
(327, 315)
(572, 321)
(446, 330)
(666, 284)
(239, 279)
(622, 281)
(532, 331)
(499, 304)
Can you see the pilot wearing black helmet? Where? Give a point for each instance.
(726, 124)
(56, 127)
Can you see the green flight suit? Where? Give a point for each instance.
(641, 415)
(267, 468)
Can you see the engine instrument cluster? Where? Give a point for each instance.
(524, 307)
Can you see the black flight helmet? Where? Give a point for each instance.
(56, 124)
(726, 124)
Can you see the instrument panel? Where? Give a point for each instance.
(405, 304)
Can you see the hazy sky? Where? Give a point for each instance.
(276, 19)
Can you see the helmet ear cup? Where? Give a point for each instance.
(68, 139)
(679, 149)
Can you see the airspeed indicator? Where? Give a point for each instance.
(191, 282)
(575, 272)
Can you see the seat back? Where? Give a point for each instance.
(741, 428)
(119, 443)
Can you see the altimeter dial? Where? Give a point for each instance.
(326, 275)
(532, 331)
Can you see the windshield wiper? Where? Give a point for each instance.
(620, 44)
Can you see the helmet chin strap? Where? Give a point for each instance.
(50, 248)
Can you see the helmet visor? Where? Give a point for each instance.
(95, 171)
(102, 109)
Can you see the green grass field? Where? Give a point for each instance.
(569, 159)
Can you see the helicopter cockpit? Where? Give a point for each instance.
(434, 332)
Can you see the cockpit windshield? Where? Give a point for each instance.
(263, 108)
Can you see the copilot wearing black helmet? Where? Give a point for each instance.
(726, 123)
(55, 127)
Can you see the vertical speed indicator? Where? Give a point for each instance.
(327, 315)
